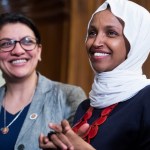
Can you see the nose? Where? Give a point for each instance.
(18, 50)
(99, 40)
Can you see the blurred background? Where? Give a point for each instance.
(62, 24)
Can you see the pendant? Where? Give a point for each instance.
(5, 130)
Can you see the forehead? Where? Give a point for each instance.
(106, 17)
(15, 30)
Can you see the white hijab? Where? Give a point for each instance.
(127, 79)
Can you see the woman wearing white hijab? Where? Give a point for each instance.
(116, 115)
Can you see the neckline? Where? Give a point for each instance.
(5, 128)
(8, 113)
(94, 126)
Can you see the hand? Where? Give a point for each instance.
(65, 138)
(55, 141)
(45, 143)
(74, 138)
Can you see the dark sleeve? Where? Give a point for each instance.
(145, 122)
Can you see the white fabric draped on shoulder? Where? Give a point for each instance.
(121, 83)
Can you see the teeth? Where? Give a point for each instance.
(18, 61)
(100, 54)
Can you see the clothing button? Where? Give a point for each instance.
(21, 147)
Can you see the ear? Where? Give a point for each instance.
(39, 52)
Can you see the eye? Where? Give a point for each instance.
(28, 41)
(112, 33)
(6, 43)
(91, 33)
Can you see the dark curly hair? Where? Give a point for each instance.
(6, 18)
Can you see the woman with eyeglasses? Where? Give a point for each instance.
(28, 100)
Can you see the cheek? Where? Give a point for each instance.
(3, 56)
(124, 50)
(118, 47)
(88, 45)
(36, 54)
(114, 44)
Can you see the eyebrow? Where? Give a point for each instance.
(107, 27)
(112, 27)
(91, 27)
(5, 39)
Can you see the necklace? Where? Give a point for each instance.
(93, 129)
(5, 129)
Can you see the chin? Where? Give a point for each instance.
(98, 69)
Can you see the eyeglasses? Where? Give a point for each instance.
(27, 43)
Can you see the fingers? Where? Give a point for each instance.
(75, 139)
(58, 138)
(64, 137)
(68, 130)
(43, 139)
(83, 130)
(61, 141)
(44, 142)
(55, 127)
(50, 134)
(65, 126)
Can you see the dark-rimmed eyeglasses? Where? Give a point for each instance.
(27, 43)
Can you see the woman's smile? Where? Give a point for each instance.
(18, 61)
(106, 44)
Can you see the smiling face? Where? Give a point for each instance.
(18, 63)
(106, 45)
